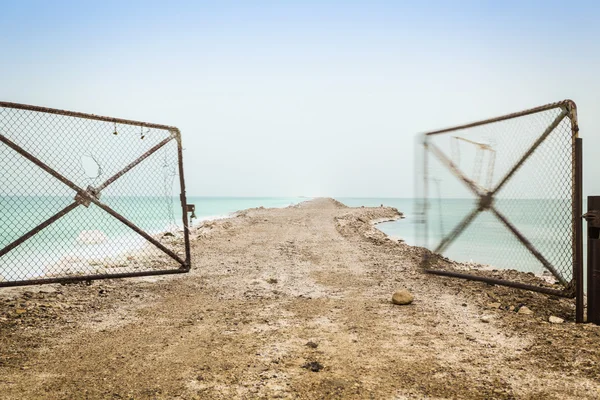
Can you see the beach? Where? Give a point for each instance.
(294, 302)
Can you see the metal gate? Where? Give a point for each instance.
(503, 196)
(86, 197)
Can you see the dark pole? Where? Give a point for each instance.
(578, 232)
(593, 273)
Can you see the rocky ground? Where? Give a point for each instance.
(294, 303)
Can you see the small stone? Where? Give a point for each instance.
(511, 308)
(312, 345)
(555, 320)
(494, 305)
(313, 366)
(402, 297)
(525, 311)
(20, 311)
(485, 319)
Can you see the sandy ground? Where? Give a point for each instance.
(293, 303)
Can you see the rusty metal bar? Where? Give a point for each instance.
(183, 200)
(455, 170)
(79, 278)
(529, 152)
(578, 232)
(529, 246)
(25, 154)
(501, 282)
(133, 164)
(462, 225)
(425, 191)
(38, 228)
(136, 229)
(75, 114)
(560, 104)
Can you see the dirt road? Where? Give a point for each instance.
(293, 303)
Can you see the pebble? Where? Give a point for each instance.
(555, 320)
(402, 297)
(525, 311)
(494, 305)
(485, 319)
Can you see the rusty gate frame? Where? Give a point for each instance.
(485, 199)
(92, 195)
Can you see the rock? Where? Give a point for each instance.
(494, 305)
(20, 311)
(313, 366)
(555, 320)
(312, 345)
(402, 297)
(525, 311)
(485, 319)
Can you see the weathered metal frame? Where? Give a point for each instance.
(90, 195)
(485, 197)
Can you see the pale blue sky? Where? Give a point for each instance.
(304, 98)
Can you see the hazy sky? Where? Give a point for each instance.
(310, 97)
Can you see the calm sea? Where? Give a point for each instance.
(545, 223)
(62, 240)
(486, 241)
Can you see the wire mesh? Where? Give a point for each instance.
(500, 194)
(86, 176)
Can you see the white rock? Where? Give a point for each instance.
(525, 311)
(555, 320)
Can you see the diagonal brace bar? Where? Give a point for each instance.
(138, 230)
(529, 152)
(462, 225)
(529, 246)
(38, 228)
(133, 164)
(456, 171)
(86, 195)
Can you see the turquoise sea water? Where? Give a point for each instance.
(90, 233)
(545, 223)
(485, 242)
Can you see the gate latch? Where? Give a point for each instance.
(191, 208)
(592, 218)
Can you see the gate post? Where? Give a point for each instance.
(593, 263)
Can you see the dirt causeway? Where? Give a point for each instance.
(293, 303)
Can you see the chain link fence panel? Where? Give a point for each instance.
(88, 197)
(502, 196)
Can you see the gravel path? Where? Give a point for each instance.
(293, 303)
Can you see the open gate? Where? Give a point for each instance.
(86, 197)
(505, 194)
